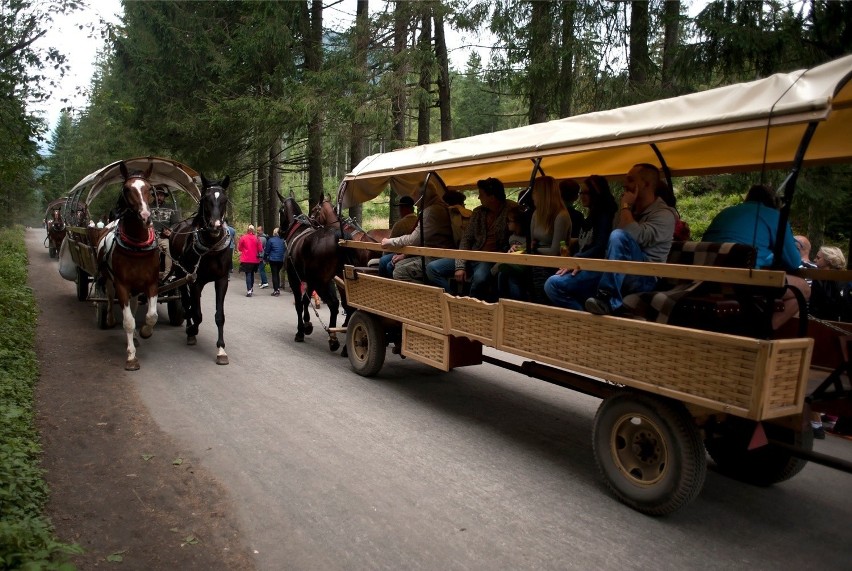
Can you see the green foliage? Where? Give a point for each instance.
(699, 211)
(26, 539)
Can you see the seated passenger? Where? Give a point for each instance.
(163, 218)
(486, 232)
(643, 233)
(830, 298)
(517, 227)
(459, 215)
(569, 190)
(437, 233)
(754, 222)
(682, 232)
(406, 223)
(569, 287)
(550, 226)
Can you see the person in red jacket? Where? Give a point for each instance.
(251, 253)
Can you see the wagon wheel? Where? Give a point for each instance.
(649, 452)
(764, 466)
(176, 313)
(82, 285)
(101, 308)
(365, 343)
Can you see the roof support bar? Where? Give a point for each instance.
(666, 171)
(789, 189)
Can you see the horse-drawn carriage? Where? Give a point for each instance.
(669, 393)
(124, 253)
(54, 226)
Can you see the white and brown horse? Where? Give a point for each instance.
(201, 251)
(129, 259)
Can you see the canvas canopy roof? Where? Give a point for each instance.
(734, 128)
(166, 171)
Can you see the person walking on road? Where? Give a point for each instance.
(261, 237)
(250, 254)
(274, 251)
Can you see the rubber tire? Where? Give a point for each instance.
(176, 313)
(82, 282)
(764, 466)
(365, 344)
(675, 474)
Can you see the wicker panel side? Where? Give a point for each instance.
(406, 302)
(708, 369)
(471, 318)
(787, 381)
(425, 346)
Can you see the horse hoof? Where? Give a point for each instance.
(344, 353)
(299, 338)
(146, 331)
(309, 328)
(221, 359)
(333, 344)
(191, 340)
(132, 365)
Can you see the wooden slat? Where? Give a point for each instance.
(766, 278)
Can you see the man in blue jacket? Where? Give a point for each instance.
(754, 222)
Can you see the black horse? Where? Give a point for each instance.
(314, 257)
(200, 248)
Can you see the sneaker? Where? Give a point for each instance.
(276, 293)
(264, 286)
(248, 293)
(819, 431)
(598, 306)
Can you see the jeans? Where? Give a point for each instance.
(571, 291)
(440, 271)
(249, 281)
(262, 271)
(386, 265)
(275, 270)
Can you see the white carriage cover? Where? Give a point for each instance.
(739, 127)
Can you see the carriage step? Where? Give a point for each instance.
(337, 330)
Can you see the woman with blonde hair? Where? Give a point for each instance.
(830, 258)
(550, 226)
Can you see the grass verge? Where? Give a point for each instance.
(26, 537)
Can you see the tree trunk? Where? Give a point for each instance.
(424, 107)
(262, 188)
(443, 77)
(638, 66)
(270, 204)
(540, 50)
(358, 142)
(566, 67)
(312, 23)
(671, 26)
(398, 105)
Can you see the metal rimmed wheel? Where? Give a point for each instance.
(101, 308)
(175, 310)
(82, 285)
(365, 344)
(649, 452)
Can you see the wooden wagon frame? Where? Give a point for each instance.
(82, 249)
(668, 391)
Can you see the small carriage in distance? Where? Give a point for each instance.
(670, 393)
(89, 205)
(54, 226)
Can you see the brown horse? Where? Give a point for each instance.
(129, 259)
(55, 227)
(314, 257)
(324, 214)
(201, 250)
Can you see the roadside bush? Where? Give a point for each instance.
(26, 539)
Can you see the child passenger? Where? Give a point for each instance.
(516, 223)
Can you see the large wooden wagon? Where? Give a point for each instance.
(670, 393)
(88, 205)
